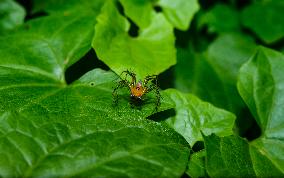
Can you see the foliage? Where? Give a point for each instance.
(220, 71)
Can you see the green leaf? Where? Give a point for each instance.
(69, 36)
(11, 15)
(260, 85)
(194, 116)
(180, 12)
(213, 76)
(228, 156)
(196, 164)
(227, 54)
(140, 11)
(215, 18)
(150, 53)
(87, 143)
(265, 19)
(75, 131)
(64, 7)
(235, 157)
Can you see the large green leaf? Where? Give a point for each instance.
(150, 53)
(75, 131)
(265, 19)
(11, 15)
(51, 130)
(194, 117)
(261, 86)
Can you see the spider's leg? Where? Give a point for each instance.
(121, 84)
(152, 81)
(155, 88)
(151, 78)
(131, 74)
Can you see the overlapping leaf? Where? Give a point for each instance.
(261, 86)
(150, 53)
(194, 117)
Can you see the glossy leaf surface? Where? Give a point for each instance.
(194, 117)
(261, 86)
(150, 53)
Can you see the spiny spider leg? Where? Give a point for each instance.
(131, 74)
(150, 78)
(121, 84)
(153, 87)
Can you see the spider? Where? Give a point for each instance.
(138, 89)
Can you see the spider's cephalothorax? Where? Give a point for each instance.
(138, 89)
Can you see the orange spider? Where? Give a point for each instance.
(138, 89)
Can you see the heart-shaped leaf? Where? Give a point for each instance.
(150, 53)
(194, 117)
